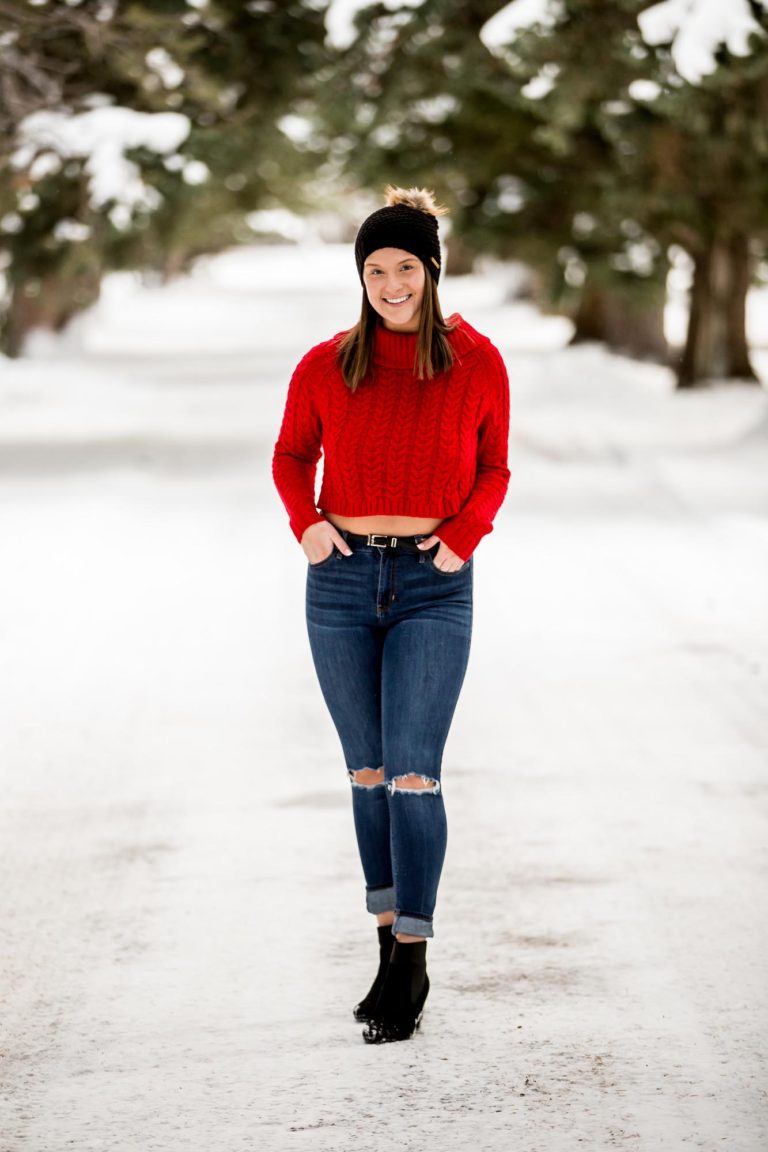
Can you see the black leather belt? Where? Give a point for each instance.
(381, 540)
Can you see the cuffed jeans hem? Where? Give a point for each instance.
(380, 899)
(412, 926)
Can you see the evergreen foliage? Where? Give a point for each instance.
(577, 148)
(234, 70)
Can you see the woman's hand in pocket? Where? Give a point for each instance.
(444, 559)
(319, 539)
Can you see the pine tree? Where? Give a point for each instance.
(427, 101)
(233, 70)
(579, 149)
(710, 186)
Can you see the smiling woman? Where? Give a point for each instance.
(394, 284)
(411, 412)
(392, 274)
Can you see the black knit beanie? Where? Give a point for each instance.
(400, 226)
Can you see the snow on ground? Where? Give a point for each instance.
(183, 927)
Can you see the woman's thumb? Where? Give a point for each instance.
(340, 542)
(430, 543)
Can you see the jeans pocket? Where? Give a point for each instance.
(326, 560)
(441, 572)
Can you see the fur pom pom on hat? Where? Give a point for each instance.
(409, 221)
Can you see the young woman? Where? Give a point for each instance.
(411, 414)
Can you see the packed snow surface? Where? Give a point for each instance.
(183, 925)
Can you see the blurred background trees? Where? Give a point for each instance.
(203, 87)
(570, 135)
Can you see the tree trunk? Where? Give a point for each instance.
(461, 257)
(716, 341)
(47, 302)
(177, 262)
(622, 321)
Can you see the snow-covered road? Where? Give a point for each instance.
(183, 931)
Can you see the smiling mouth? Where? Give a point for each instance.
(397, 299)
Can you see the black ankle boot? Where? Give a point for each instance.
(363, 1010)
(400, 1005)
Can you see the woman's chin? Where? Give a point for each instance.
(398, 324)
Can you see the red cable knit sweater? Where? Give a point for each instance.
(398, 445)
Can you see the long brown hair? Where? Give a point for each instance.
(433, 351)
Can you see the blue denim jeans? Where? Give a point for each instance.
(390, 636)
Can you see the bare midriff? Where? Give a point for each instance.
(385, 525)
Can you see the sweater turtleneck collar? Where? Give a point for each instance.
(398, 349)
(394, 349)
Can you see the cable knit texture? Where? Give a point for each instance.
(399, 445)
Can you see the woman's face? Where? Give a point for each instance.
(394, 283)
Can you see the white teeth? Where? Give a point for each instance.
(399, 300)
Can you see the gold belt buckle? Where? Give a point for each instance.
(380, 540)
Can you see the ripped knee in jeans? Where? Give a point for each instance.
(414, 782)
(366, 777)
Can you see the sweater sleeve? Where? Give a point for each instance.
(298, 449)
(464, 531)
